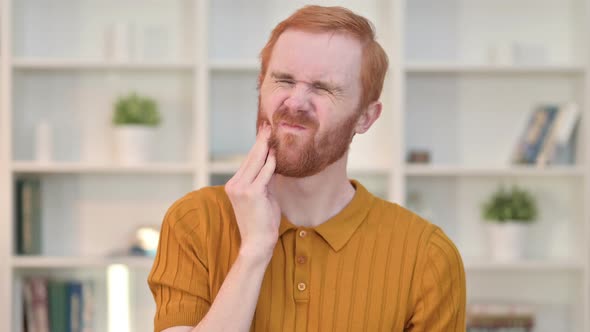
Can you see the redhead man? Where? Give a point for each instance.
(290, 243)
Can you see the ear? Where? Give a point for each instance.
(368, 117)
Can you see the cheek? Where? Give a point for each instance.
(331, 117)
(271, 100)
(326, 110)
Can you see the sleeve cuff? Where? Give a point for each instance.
(163, 322)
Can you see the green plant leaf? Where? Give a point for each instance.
(136, 110)
(516, 204)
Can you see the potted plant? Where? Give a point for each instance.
(508, 213)
(135, 119)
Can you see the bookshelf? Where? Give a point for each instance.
(460, 69)
(512, 171)
(475, 110)
(77, 64)
(442, 94)
(532, 266)
(251, 66)
(97, 168)
(79, 262)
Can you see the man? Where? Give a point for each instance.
(290, 244)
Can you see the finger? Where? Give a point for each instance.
(246, 160)
(267, 170)
(256, 158)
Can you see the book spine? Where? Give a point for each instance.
(36, 305)
(563, 153)
(40, 304)
(57, 305)
(545, 121)
(19, 186)
(27, 220)
(28, 217)
(75, 306)
(87, 306)
(37, 222)
(549, 143)
(28, 305)
(527, 146)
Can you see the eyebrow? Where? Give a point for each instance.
(281, 75)
(316, 83)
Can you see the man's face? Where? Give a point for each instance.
(310, 96)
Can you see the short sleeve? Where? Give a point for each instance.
(179, 278)
(440, 303)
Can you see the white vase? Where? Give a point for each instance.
(118, 42)
(506, 240)
(133, 144)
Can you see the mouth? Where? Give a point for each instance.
(292, 127)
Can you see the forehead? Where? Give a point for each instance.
(318, 56)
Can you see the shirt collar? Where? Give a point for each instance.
(340, 228)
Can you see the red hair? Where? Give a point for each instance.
(337, 19)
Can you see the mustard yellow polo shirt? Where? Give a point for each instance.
(375, 266)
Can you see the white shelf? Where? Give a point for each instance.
(235, 65)
(40, 262)
(451, 170)
(74, 167)
(524, 266)
(81, 64)
(455, 68)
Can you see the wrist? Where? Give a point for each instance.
(256, 253)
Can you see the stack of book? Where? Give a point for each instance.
(500, 318)
(57, 305)
(548, 137)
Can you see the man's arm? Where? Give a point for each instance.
(236, 301)
(439, 288)
(258, 217)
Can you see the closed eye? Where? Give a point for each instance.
(321, 87)
(284, 81)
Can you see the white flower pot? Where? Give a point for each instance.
(506, 240)
(133, 144)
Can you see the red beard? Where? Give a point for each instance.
(308, 154)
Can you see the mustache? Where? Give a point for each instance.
(294, 118)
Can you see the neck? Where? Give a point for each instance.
(312, 200)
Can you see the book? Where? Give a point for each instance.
(560, 145)
(28, 216)
(58, 299)
(498, 317)
(87, 306)
(36, 305)
(536, 132)
(71, 305)
(74, 306)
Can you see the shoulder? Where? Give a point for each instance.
(404, 221)
(442, 257)
(194, 209)
(426, 240)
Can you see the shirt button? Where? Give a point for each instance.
(301, 286)
(302, 233)
(301, 259)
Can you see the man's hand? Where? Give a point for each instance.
(257, 212)
(258, 216)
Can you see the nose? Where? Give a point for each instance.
(298, 99)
